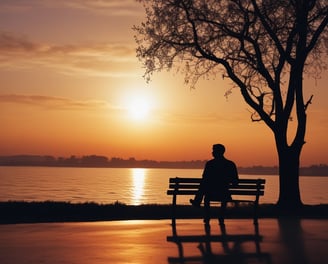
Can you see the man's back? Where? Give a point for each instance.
(217, 176)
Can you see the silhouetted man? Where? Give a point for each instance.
(218, 174)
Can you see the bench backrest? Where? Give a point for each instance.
(189, 186)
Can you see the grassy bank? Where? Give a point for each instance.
(38, 212)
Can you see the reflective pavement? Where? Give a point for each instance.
(155, 241)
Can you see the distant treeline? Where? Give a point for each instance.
(102, 161)
(94, 161)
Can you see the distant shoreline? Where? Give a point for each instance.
(95, 161)
(16, 212)
(256, 170)
(314, 170)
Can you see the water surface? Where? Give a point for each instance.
(129, 186)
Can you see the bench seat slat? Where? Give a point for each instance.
(184, 186)
(244, 192)
(246, 186)
(198, 180)
(251, 181)
(195, 186)
(185, 180)
(235, 192)
(181, 192)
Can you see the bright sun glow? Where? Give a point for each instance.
(139, 108)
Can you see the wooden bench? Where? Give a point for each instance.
(247, 190)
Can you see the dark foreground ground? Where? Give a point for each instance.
(49, 211)
(275, 241)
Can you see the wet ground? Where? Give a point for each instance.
(154, 242)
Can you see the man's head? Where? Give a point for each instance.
(218, 150)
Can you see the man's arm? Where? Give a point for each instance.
(234, 174)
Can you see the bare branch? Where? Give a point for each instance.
(308, 102)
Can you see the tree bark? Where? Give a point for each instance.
(289, 191)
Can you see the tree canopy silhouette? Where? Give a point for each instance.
(265, 47)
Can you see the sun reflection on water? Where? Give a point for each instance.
(138, 175)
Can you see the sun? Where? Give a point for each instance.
(139, 108)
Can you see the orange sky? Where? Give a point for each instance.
(69, 74)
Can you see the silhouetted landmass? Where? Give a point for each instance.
(94, 161)
(102, 161)
(50, 211)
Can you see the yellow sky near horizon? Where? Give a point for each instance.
(69, 78)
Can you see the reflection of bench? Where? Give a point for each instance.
(214, 238)
(235, 254)
(233, 258)
(247, 190)
(233, 251)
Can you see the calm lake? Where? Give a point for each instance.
(129, 186)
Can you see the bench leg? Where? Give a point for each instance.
(255, 213)
(207, 212)
(222, 211)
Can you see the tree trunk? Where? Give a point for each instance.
(289, 154)
(289, 191)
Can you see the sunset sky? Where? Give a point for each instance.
(70, 84)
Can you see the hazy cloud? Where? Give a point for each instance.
(107, 59)
(53, 102)
(105, 7)
(111, 7)
(202, 118)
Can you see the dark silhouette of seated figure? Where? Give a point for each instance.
(218, 174)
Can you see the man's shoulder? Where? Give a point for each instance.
(212, 161)
(224, 161)
(229, 161)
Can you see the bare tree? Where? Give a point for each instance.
(265, 47)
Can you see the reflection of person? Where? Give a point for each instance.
(217, 175)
